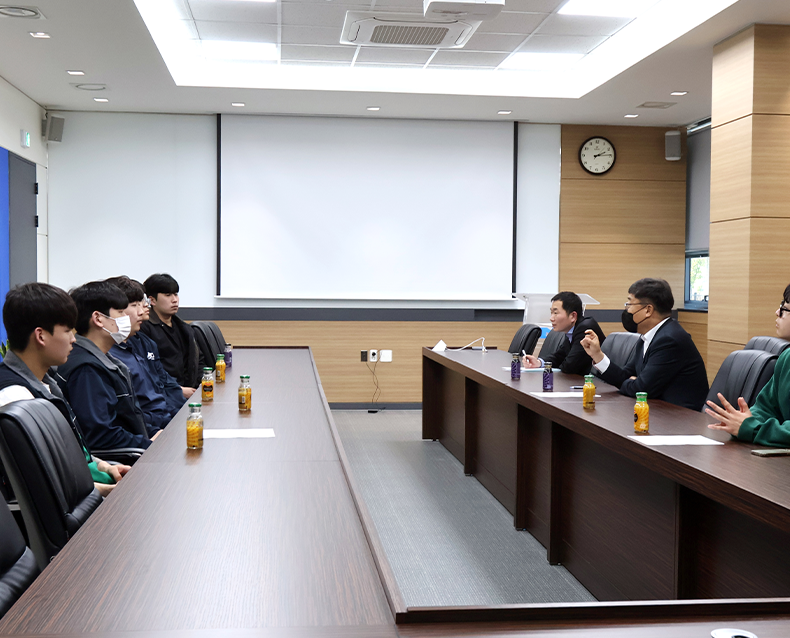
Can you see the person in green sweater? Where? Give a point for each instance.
(767, 422)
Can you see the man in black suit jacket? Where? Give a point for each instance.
(668, 366)
(566, 316)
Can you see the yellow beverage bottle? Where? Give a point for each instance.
(641, 414)
(195, 427)
(245, 393)
(207, 385)
(588, 392)
(220, 368)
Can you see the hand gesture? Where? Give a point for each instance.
(730, 419)
(530, 361)
(592, 346)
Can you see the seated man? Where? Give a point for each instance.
(98, 386)
(150, 394)
(668, 366)
(38, 319)
(566, 316)
(767, 422)
(178, 349)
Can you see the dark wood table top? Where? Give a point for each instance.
(247, 533)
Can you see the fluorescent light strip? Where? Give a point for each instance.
(374, 108)
(100, 99)
(237, 104)
(76, 72)
(40, 35)
(679, 93)
(631, 115)
(504, 112)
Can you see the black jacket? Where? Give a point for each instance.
(188, 372)
(570, 355)
(672, 369)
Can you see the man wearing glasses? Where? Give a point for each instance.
(668, 365)
(767, 422)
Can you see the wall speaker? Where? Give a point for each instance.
(53, 128)
(672, 145)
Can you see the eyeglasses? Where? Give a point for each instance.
(635, 304)
(783, 309)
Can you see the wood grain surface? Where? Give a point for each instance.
(733, 78)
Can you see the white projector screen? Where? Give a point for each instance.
(322, 208)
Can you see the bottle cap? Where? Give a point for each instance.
(244, 376)
(220, 357)
(589, 377)
(195, 405)
(548, 367)
(208, 369)
(227, 345)
(641, 396)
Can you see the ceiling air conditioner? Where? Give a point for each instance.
(365, 28)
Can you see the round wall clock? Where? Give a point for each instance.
(597, 155)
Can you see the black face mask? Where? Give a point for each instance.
(628, 321)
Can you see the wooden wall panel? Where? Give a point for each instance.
(733, 78)
(770, 153)
(768, 272)
(731, 170)
(629, 211)
(728, 309)
(336, 346)
(696, 324)
(771, 55)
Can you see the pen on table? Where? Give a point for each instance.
(577, 387)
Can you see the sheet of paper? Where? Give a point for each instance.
(239, 433)
(560, 395)
(676, 439)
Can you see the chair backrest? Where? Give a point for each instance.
(552, 341)
(17, 564)
(209, 340)
(743, 374)
(48, 472)
(525, 339)
(775, 345)
(618, 346)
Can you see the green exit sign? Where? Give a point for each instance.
(25, 139)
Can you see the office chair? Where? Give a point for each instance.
(619, 346)
(525, 339)
(17, 563)
(774, 345)
(48, 472)
(551, 343)
(209, 339)
(743, 374)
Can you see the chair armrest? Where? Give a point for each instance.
(125, 455)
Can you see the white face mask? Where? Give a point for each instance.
(124, 324)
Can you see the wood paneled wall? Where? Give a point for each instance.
(750, 189)
(696, 324)
(626, 224)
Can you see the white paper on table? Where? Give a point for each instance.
(675, 439)
(561, 395)
(239, 433)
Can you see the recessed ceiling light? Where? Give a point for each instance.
(20, 12)
(540, 61)
(374, 108)
(677, 93)
(90, 87)
(237, 103)
(606, 8)
(229, 50)
(504, 112)
(40, 34)
(100, 99)
(631, 115)
(76, 72)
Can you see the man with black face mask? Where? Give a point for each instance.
(668, 365)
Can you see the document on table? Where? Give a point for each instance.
(239, 433)
(677, 439)
(560, 395)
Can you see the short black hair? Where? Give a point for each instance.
(36, 305)
(161, 284)
(132, 289)
(571, 302)
(93, 296)
(787, 294)
(655, 291)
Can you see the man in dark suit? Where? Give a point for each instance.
(566, 316)
(668, 366)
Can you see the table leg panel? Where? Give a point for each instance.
(533, 509)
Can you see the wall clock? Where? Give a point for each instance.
(597, 155)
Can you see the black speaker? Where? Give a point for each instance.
(672, 146)
(53, 128)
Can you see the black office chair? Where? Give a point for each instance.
(774, 345)
(17, 563)
(48, 473)
(209, 339)
(743, 374)
(525, 339)
(619, 346)
(551, 343)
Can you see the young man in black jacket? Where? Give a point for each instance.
(178, 349)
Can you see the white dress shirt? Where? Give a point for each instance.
(603, 364)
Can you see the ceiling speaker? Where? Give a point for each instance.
(53, 128)
(672, 145)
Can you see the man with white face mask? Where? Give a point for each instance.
(97, 385)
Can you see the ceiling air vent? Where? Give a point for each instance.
(363, 28)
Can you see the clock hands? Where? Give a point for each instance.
(602, 154)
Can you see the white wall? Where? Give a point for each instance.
(136, 194)
(18, 112)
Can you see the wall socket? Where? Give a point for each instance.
(374, 356)
(363, 355)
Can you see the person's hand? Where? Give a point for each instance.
(104, 489)
(730, 419)
(187, 392)
(117, 472)
(592, 346)
(530, 361)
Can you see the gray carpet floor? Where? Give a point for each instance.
(449, 541)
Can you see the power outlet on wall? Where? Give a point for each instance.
(363, 355)
(374, 355)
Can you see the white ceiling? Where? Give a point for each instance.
(109, 41)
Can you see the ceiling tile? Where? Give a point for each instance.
(509, 22)
(394, 55)
(237, 31)
(582, 25)
(454, 57)
(326, 63)
(384, 65)
(222, 11)
(406, 6)
(493, 42)
(534, 6)
(562, 44)
(316, 15)
(307, 53)
(359, 5)
(310, 35)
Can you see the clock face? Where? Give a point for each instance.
(597, 155)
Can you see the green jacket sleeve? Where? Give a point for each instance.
(770, 421)
(98, 476)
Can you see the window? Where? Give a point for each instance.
(697, 270)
